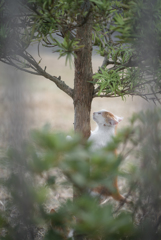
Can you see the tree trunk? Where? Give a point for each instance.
(83, 89)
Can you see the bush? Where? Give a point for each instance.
(26, 215)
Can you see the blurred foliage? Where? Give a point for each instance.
(25, 211)
(140, 26)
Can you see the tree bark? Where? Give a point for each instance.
(83, 89)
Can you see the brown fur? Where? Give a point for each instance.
(108, 114)
(104, 191)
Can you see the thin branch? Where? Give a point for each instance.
(20, 62)
(60, 84)
(125, 200)
(106, 95)
(105, 62)
(155, 94)
(22, 69)
(144, 96)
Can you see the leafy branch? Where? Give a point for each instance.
(67, 48)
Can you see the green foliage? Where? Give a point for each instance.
(67, 48)
(60, 17)
(83, 169)
(119, 82)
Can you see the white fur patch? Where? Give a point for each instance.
(105, 130)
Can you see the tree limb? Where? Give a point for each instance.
(60, 84)
(22, 69)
